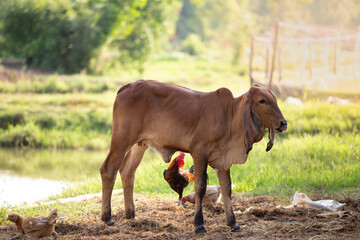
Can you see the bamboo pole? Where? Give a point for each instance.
(326, 59)
(303, 65)
(274, 55)
(310, 61)
(267, 62)
(356, 62)
(251, 60)
(280, 65)
(335, 58)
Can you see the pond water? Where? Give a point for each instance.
(33, 175)
(15, 190)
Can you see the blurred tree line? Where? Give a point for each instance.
(96, 35)
(73, 35)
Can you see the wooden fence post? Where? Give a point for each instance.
(274, 54)
(326, 59)
(357, 48)
(251, 60)
(267, 62)
(304, 60)
(280, 65)
(335, 57)
(310, 61)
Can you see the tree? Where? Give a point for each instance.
(138, 27)
(190, 21)
(64, 35)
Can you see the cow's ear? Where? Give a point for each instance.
(251, 126)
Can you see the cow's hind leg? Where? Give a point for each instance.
(127, 172)
(108, 171)
(200, 167)
(225, 185)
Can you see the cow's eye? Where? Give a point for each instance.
(262, 101)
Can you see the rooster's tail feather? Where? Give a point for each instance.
(191, 169)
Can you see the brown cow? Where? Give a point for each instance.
(215, 128)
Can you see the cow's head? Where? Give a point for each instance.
(261, 111)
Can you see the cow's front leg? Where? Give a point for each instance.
(200, 166)
(225, 186)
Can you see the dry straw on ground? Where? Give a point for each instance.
(259, 218)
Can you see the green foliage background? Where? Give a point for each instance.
(67, 35)
(98, 36)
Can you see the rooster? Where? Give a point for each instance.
(211, 197)
(36, 227)
(178, 179)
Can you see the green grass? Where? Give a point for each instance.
(321, 117)
(56, 121)
(200, 74)
(321, 163)
(60, 84)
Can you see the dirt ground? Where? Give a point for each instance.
(258, 217)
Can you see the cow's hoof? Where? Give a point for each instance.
(200, 229)
(129, 214)
(110, 222)
(106, 218)
(235, 228)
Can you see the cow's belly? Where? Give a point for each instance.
(166, 138)
(165, 151)
(162, 151)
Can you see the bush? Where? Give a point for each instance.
(20, 137)
(96, 143)
(193, 45)
(47, 35)
(11, 119)
(98, 121)
(46, 122)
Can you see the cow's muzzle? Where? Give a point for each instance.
(283, 126)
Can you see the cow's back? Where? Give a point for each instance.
(160, 98)
(159, 109)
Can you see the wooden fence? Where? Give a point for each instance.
(300, 60)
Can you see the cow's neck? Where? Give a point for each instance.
(236, 126)
(233, 149)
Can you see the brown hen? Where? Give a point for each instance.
(36, 227)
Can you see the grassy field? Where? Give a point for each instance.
(319, 153)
